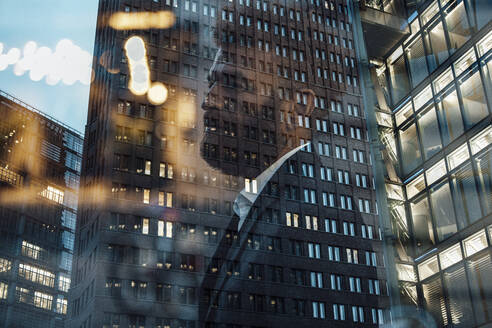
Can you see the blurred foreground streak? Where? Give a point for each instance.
(40, 162)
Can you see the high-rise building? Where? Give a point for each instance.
(428, 95)
(40, 161)
(247, 198)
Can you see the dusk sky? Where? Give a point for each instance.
(46, 22)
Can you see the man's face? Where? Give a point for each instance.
(227, 110)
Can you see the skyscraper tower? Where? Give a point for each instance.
(429, 97)
(40, 161)
(244, 200)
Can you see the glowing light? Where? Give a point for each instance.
(137, 61)
(157, 93)
(142, 20)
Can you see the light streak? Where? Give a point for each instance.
(142, 20)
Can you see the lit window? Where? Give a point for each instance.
(3, 290)
(145, 226)
(53, 194)
(5, 265)
(42, 300)
(146, 196)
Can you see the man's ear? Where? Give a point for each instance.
(309, 108)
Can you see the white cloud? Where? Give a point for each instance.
(68, 63)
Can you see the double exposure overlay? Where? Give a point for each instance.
(253, 164)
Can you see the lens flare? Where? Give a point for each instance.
(142, 20)
(137, 61)
(157, 94)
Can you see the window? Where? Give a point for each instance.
(338, 312)
(314, 250)
(319, 310)
(165, 229)
(334, 253)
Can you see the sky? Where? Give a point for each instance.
(46, 22)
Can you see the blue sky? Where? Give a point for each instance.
(46, 22)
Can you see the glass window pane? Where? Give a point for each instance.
(450, 256)
(400, 84)
(410, 150)
(436, 172)
(422, 98)
(449, 115)
(442, 208)
(465, 196)
(481, 140)
(464, 62)
(428, 268)
(422, 225)
(434, 301)
(480, 12)
(429, 132)
(436, 45)
(459, 30)
(485, 44)
(483, 165)
(480, 287)
(475, 243)
(458, 156)
(460, 307)
(403, 114)
(416, 186)
(416, 61)
(443, 80)
(474, 103)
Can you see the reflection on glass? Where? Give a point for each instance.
(416, 61)
(465, 196)
(410, 151)
(422, 225)
(436, 44)
(474, 103)
(429, 132)
(480, 12)
(484, 171)
(436, 172)
(459, 30)
(450, 117)
(443, 210)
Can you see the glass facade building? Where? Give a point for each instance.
(40, 162)
(431, 100)
(246, 199)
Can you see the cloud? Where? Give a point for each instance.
(67, 64)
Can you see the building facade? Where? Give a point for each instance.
(430, 99)
(40, 161)
(201, 212)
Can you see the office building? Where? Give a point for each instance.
(430, 100)
(40, 161)
(187, 219)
